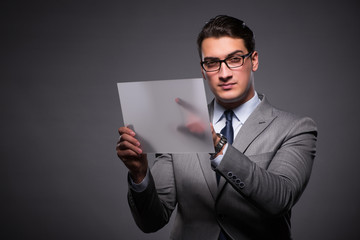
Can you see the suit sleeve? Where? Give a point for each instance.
(275, 188)
(152, 207)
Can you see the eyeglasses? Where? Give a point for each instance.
(234, 61)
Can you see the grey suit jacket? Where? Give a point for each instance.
(264, 172)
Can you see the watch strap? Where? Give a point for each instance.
(219, 146)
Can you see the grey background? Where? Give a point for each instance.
(61, 60)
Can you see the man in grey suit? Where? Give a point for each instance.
(262, 163)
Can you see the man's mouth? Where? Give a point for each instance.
(227, 86)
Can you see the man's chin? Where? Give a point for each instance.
(233, 98)
(230, 99)
(231, 102)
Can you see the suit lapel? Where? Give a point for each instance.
(257, 122)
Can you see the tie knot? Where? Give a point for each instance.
(228, 115)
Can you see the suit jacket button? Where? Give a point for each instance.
(241, 184)
(230, 174)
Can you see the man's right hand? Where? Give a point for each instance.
(128, 149)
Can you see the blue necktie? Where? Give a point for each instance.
(228, 130)
(222, 236)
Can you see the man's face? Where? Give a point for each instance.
(231, 87)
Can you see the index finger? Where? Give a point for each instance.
(185, 105)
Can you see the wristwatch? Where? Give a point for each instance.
(219, 145)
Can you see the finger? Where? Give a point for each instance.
(212, 127)
(130, 139)
(126, 130)
(126, 145)
(196, 127)
(127, 154)
(186, 105)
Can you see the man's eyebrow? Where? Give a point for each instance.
(211, 59)
(235, 52)
(229, 55)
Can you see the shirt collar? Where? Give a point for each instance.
(242, 112)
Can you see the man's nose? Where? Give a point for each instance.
(225, 72)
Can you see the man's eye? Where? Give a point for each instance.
(211, 64)
(235, 59)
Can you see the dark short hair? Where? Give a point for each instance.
(221, 26)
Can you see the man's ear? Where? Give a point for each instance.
(255, 61)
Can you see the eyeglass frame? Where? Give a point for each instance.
(224, 61)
